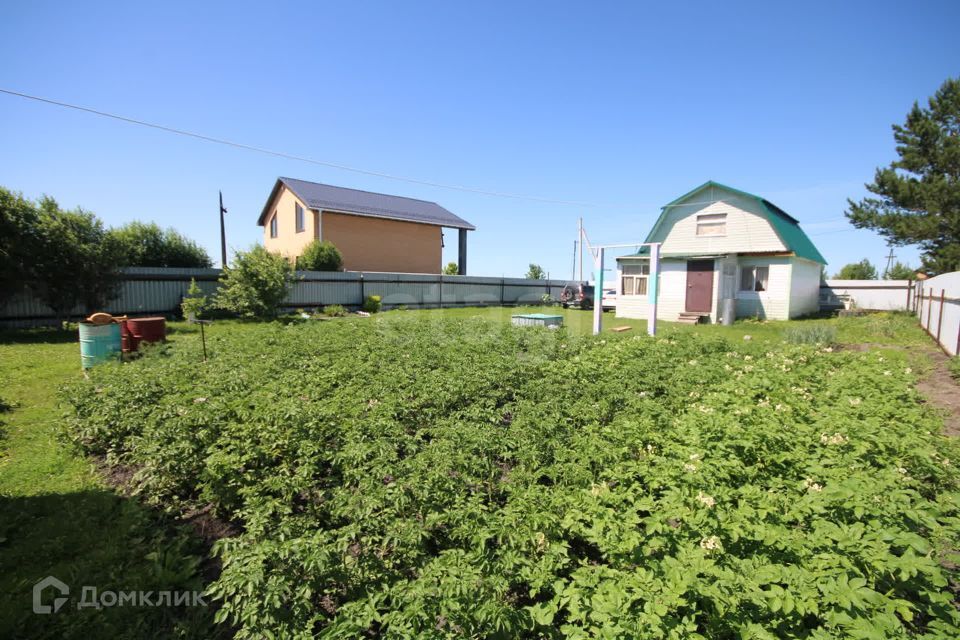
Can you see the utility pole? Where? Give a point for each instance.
(223, 235)
(573, 274)
(890, 258)
(580, 239)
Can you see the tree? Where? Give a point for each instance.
(256, 284)
(918, 196)
(451, 269)
(19, 240)
(320, 256)
(75, 262)
(900, 271)
(535, 272)
(194, 303)
(144, 244)
(862, 270)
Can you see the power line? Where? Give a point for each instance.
(290, 156)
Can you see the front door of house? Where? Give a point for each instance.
(699, 286)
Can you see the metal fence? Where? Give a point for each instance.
(159, 291)
(937, 307)
(873, 295)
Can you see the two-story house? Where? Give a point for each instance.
(721, 243)
(373, 231)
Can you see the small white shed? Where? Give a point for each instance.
(718, 242)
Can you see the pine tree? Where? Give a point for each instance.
(918, 196)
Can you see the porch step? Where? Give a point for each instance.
(688, 317)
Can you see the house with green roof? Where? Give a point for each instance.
(719, 243)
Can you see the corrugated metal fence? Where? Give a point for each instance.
(874, 295)
(937, 306)
(159, 291)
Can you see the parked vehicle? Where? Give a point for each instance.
(577, 295)
(609, 299)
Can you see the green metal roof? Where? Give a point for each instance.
(786, 226)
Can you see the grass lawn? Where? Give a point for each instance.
(58, 518)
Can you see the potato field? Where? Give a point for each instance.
(401, 477)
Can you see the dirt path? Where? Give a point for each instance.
(941, 390)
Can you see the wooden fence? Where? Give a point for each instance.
(147, 291)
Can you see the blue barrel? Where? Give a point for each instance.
(99, 343)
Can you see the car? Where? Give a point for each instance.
(609, 299)
(577, 295)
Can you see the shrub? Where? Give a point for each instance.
(334, 311)
(145, 244)
(256, 284)
(811, 334)
(371, 304)
(194, 302)
(320, 256)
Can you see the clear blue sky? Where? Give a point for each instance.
(626, 105)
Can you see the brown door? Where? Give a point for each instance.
(699, 285)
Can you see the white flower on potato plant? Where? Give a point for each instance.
(694, 456)
(908, 371)
(902, 470)
(810, 485)
(748, 337)
(199, 400)
(888, 373)
(693, 363)
(689, 468)
(705, 499)
(854, 402)
(836, 438)
(596, 489)
(748, 357)
(711, 543)
(827, 349)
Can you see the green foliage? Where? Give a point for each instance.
(953, 365)
(256, 284)
(819, 333)
(451, 269)
(195, 302)
(862, 270)
(900, 271)
(334, 311)
(918, 195)
(76, 260)
(320, 256)
(145, 244)
(535, 272)
(414, 478)
(372, 304)
(19, 243)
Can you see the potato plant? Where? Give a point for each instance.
(411, 478)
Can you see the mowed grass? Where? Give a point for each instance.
(57, 518)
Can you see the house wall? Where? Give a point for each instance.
(673, 294)
(804, 287)
(772, 304)
(747, 227)
(288, 242)
(377, 244)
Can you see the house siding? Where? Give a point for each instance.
(378, 244)
(747, 228)
(804, 287)
(772, 304)
(288, 242)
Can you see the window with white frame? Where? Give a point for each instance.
(633, 278)
(712, 224)
(273, 225)
(301, 225)
(754, 278)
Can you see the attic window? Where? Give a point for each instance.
(273, 225)
(712, 224)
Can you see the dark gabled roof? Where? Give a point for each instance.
(784, 225)
(365, 203)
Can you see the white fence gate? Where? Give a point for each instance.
(937, 306)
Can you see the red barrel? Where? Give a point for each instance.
(128, 342)
(146, 330)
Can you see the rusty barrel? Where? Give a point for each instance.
(145, 330)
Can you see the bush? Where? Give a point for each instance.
(811, 334)
(256, 284)
(145, 244)
(371, 304)
(334, 311)
(194, 302)
(320, 256)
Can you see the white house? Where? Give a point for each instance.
(717, 243)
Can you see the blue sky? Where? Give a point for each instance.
(621, 105)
